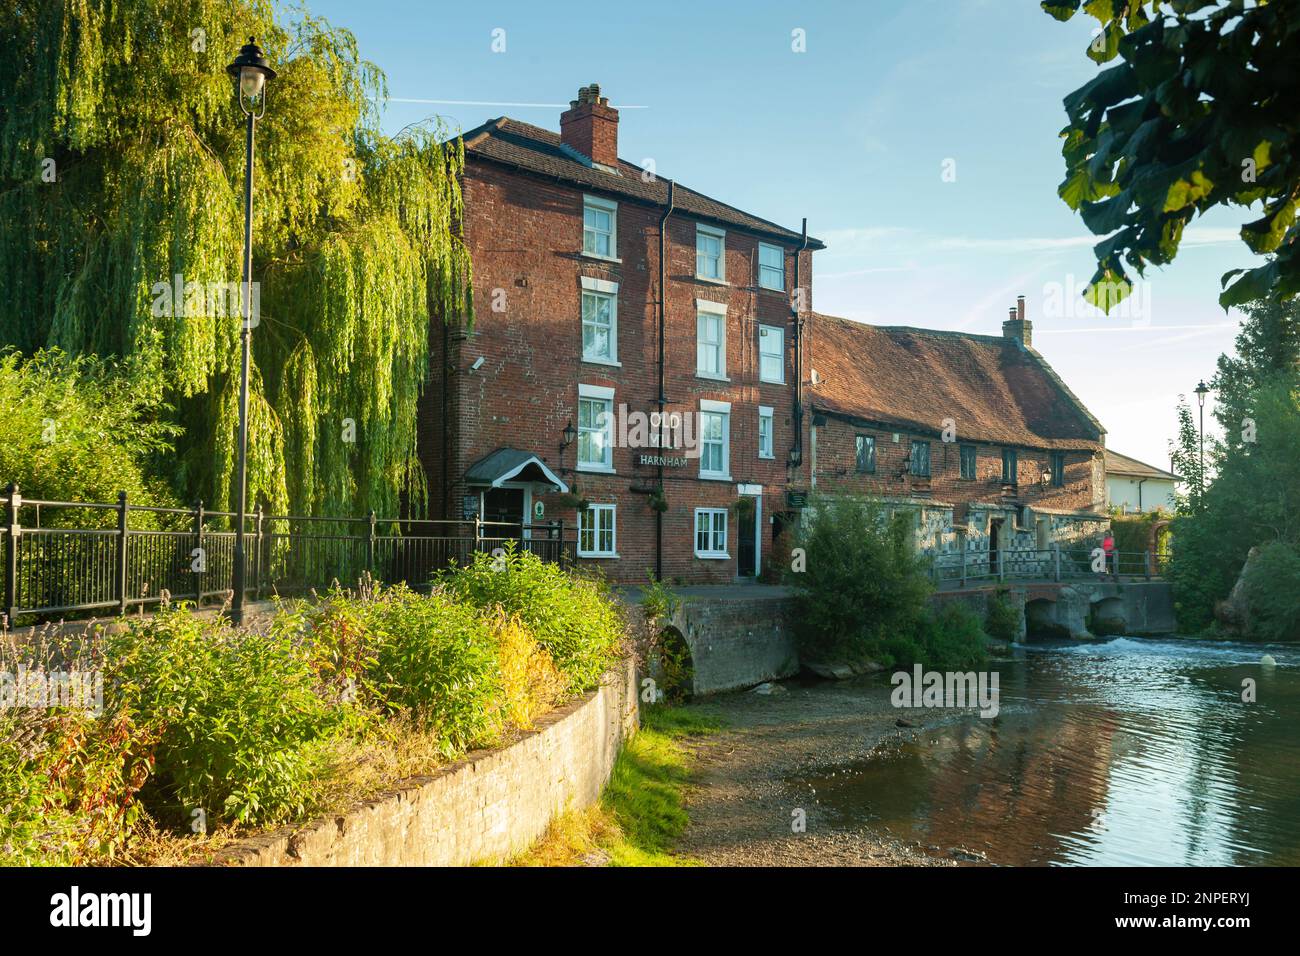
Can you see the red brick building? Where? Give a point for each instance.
(975, 435)
(635, 347)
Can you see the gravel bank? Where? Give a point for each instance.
(741, 806)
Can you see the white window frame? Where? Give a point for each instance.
(709, 407)
(713, 311)
(611, 207)
(609, 290)
(767, 332)
(712, 232)
(595, 511)
(765, 414)
(780, 255)
(711, 553)
(597, 393)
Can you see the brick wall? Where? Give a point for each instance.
(836, 470)
(525, 237)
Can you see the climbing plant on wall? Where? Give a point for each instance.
(121, 193)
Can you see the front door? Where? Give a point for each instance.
(504, 505)
(995, 536)
(746, 549)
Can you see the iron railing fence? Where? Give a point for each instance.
(964, 568)
(68, 558)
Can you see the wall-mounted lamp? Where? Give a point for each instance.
(569, 435)
(1045, 478)
(478, 364)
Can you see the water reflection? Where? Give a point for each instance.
(1127, 753)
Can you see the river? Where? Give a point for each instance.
(1124, 753)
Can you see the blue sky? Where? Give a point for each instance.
(855, 134)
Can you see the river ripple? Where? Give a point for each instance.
(1124, 753)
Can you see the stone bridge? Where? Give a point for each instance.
(740, 635)
(1080, 609)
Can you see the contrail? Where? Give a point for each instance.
(540, 106)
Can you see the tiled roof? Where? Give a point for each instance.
(995, 390)
(1117, 464)
(540, 151)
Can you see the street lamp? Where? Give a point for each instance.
(251, 71)
(1201, 391)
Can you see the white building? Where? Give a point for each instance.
(1134, 486)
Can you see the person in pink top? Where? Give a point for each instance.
(1108, 545)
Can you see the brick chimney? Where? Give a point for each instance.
(590, 125)
(1017, 326)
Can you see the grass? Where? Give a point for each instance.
(643, 810)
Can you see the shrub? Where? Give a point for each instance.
(949, 639)
(862, 578)
(81, 429)
(574, 618)
(530, 682)
(241, 728)
(1002, 619)
(1272, 588)
(68, 783)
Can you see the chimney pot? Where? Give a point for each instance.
(590, 126)
(1017, 327)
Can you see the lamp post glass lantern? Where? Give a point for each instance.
(251, 71)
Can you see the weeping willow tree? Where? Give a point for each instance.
(121, 184)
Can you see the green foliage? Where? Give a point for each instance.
(80, 429)
(1132, 533)
(1267, 351)
(68, 784)
(863, 579)
(658, 602)
(1272, 586)
(1185, 459)
(664, 652)
(256, 727)
(1002, 620)
(1198, 112)
(574, 618)
(354, 245)
(1254, 498)
(950, 639)
(242, 732)
(400, 652)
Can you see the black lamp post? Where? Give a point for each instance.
(1201, 391)
(251, 72)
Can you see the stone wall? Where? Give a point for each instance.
(490, 805)
(738, 641)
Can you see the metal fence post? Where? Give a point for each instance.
(120, 584)
(370, 545)
(257, 555)
(963, 562)
(1146, 563)
(1002, 564)
(1056, 560)
(202, 556)
(11, 553)
(478, 533)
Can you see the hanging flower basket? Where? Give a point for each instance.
(657, 500)
(574, 499)
(744, 506)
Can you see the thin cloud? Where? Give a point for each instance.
(531, 106)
